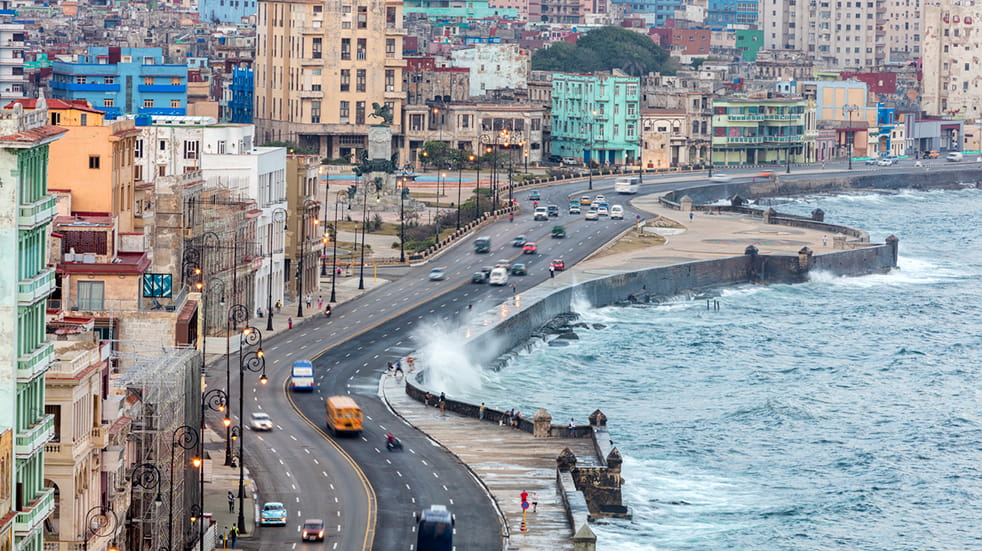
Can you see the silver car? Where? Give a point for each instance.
(260, 421)
(438, 274)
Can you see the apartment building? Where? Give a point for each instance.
(951, 70)
(27, 210)
(905, 30)
(596, 117)
(122, 81)
(320, 68)
(761, 131)
(12, 79)
(845, 34)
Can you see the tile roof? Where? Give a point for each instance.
(34, 135)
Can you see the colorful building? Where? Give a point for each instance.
(724, 13)
(748, 41)
(240, 106)
(762, 131)
(596, 117)
(123, 81)
(12, 79)
(27, 209)
(222, 11)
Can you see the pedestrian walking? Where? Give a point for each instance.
(309, 301)
(572, 428)
(535, 501)
(389, 368)
(279, 304)
(231, 502)
(234, 532)
(443, 404)
(480, 412)
(320, 302)
(514, 287)
(224, 538)
(825, 240)
(399, 368)
(552, 271)
(289, 323)
(691, 216)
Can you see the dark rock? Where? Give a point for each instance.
(599, 326)
(558, 343)
(569, 335)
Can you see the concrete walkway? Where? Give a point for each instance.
(507, 461)
(219, 481)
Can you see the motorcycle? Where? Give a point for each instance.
(393, 445)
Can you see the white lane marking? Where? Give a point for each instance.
(293, 437)
(445, 489)
(281, 462)
(435, 475)
(398, 473)
(316, 462)
(331, 485)
(307, 451)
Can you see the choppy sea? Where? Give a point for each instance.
(842, 413)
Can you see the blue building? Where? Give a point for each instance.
(123, 81)
(724, 13)
(225, 11)
(240, 106)
(663, 9)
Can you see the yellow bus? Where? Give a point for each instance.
(343, 415)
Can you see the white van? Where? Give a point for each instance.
(627, 185)
(954, 157)
(616, 212)
(499, 276)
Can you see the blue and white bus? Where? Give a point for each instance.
(302, 377)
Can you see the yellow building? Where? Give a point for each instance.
(320, 67)
(93, 161)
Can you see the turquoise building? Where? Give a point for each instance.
(25, 283)
(123, 81)
(596, 117)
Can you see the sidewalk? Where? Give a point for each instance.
(219, 481)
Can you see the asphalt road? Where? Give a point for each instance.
(345, 480)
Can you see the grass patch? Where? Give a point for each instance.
(633, 241)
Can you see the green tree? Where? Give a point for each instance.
(437, 154)
(604, 49)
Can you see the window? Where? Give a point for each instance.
(138, 173)
(390, 16)
(345, 112)
(315, 112)
(108, 102)
(345, 80)
(148, 81)
(175, 81)
(91, 295)
(148, 103)
(79, 80)
(317, 47)
(362, 48)
(175, 104)
(109, 80)
(138, 149)
(191, 149)
(360, 112)
(56, 118)
(221, 147)
(362, 17)
(390, 47)
(360, 80)
(162, 145)
(346, 49)
(161, 170)
(94, 161)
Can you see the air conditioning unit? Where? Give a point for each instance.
(68, 257)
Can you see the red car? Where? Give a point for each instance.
(558, 265)
(529, 248)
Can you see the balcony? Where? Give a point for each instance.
(162, 88)
(744, 139)
(34, 514)
(32, 290)
(99, 435)
(783, 139)
(76, 87)
(33, 364)
(39, 212)
(311, 94)
(50, 545)
(29, 442)
(768, 117)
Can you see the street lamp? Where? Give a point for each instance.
(237, 313)
(460, 169)
(589, 155)
(425, 155)
(327, 188)
(334, 262)
(184, 437)
(403, 191)
(303, 241)
(147, 476)
(254, 361)
(477, 193)
(278, 217)
(850, 132)
(100, 521)
(215, 399)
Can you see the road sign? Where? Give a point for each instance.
(525, 505)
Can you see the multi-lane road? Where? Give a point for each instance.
(365, 494)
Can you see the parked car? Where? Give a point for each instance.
(530, 248)
(273, 514)
(519, 241)
(553, 210)
(519, 269)
(260, 421)
(558, 265)
(720, 177)
(438, 274)
(591, 215)
(313, 530)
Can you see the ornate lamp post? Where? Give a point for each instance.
(477, 192)
(278, 217)
(147, 476)
(334, 262)
(460, 169)
(237, 313)
(851, 136)
(184, 437)
(254, 361)
(100, 521)
(403, 191)
(589, 164)
(322, 170)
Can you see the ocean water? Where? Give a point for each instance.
(843, 413)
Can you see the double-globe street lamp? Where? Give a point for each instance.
(237, 314)
(490, 142)
(255, 361)
(325, 175)
(215, 399)
(100, 521)
(278, 216)
(403, 193)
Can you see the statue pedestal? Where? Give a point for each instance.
(379, 142)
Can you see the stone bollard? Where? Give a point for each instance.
(804, 259)
(839, 242)
(566, 461)
(895, 245)
(598, 419)
(542, 424)
(686, 203)
(818, 215)
(584, 539)
(769, 215)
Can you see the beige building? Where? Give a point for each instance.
(320, 67)
(952, 73)
(905, 29)
(840, 34)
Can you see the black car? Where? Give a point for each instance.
(313, 530)
(479, 277)
(519, 269)
(553, 210)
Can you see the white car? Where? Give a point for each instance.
(720, 177)
(602, 210)
(886, 161)
(616, 212)
(260, 421)
(591, 215)
(600, 198)
(438, 274)
(574, 209)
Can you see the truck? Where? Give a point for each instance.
(343, 415)
(626, 185)
(482, 245)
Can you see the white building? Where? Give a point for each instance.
(227, 158)
(494, 67)
(12, 79)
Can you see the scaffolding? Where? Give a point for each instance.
(166, 382)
